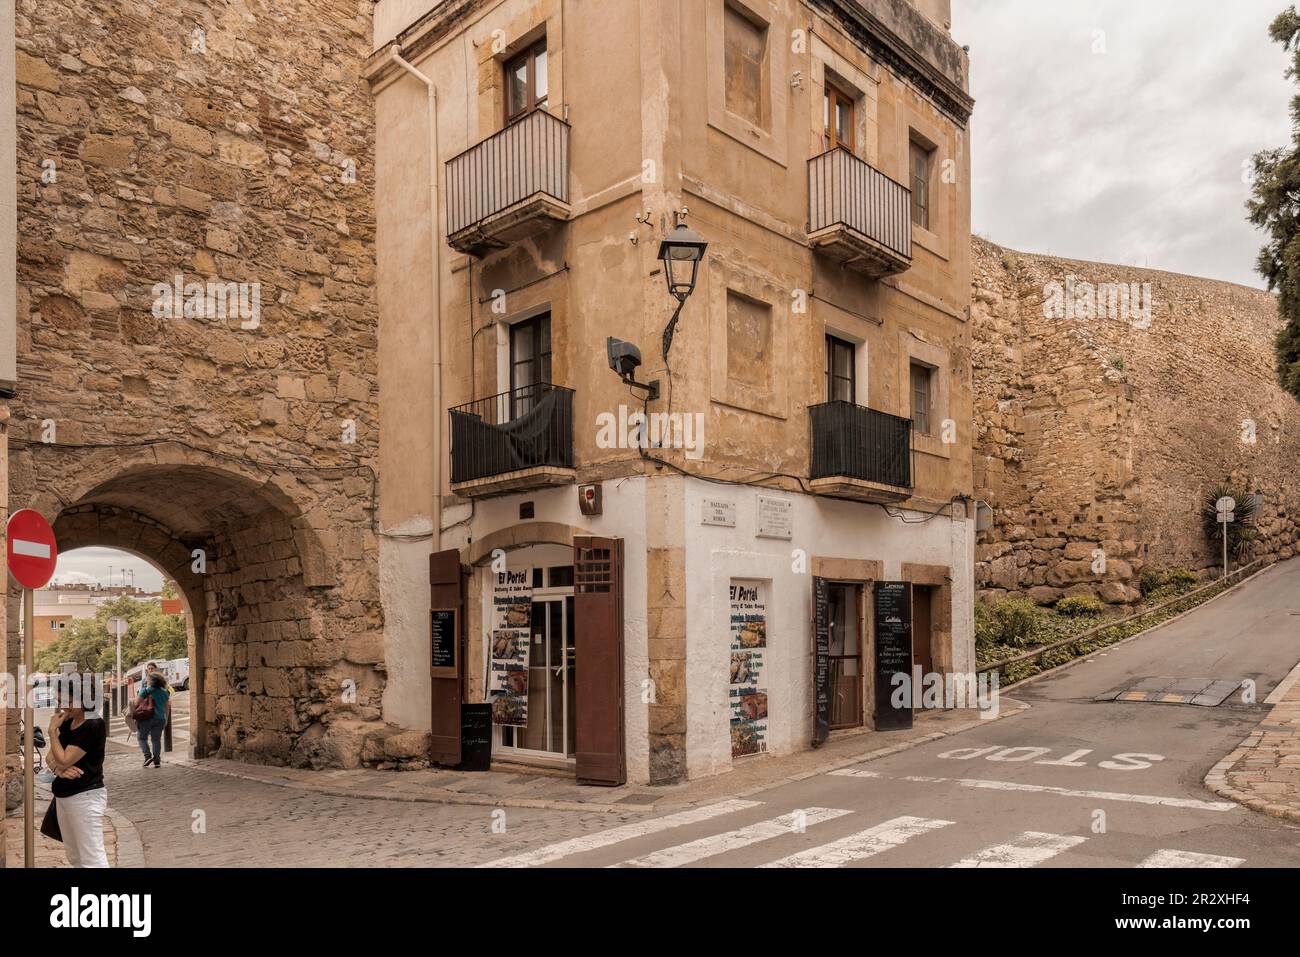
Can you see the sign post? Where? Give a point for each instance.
(1224, 509)
(119, 626)
(32, 555)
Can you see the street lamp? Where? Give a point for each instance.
(119, 626)
(681, 254)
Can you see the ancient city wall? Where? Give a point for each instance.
(1104, 425)
(223, 144)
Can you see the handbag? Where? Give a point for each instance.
(50, 823)
(143, 708)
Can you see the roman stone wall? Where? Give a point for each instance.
(1102, 427)
(224, 143)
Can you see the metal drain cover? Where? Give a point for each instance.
(1166, 689)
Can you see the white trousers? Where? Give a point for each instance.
(81, 819)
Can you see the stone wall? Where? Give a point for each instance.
(219, 143)
(1101, 429)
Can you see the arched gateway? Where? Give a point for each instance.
(282, 639)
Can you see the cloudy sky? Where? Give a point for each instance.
(1116, 130)
(91, 565)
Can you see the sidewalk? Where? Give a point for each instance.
(49, 853)
(516, 786)
(1263, 773)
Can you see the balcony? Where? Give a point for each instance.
(513, 441)
(513, 185)
(857, 215)
(859, 453)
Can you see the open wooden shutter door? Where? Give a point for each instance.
(598, 653)
(446, 590)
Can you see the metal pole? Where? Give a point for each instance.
(29, 746)
(1225, 549)
(117, 676)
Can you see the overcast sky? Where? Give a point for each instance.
(1132, 154)
(91, 566)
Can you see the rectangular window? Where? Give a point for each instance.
(920, 162)
(837, 118)
(841, 371)
(526, 82)
(746, 48)
(921, 397)
(530, 361)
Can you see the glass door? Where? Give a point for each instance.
(551, 707)
(846, 655)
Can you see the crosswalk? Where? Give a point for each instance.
(801, 826)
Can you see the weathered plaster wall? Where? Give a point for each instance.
(1106, 433)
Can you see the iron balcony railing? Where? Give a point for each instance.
(528, 157)
(856, 442)
(843, 190)
(525, 428)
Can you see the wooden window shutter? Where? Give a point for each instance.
(598, 652)
(446, 590)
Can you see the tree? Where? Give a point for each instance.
(1275, 207)
(150, 636)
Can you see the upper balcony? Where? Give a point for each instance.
(858, 215)
(522, 439)
(859, 453)
(512, 185)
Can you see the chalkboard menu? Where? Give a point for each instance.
(893, 652)
(475, 737)
(444, 644)
(821, 662)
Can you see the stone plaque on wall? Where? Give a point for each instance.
(775, 518)
(716, 512)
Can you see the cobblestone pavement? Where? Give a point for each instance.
(48, 853)
(1263, 773)
(250, 824)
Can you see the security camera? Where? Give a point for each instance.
(624, 358)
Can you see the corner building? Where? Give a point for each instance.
(650, 614)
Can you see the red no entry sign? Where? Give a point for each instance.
(32, 551)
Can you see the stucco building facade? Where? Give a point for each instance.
(648, 613)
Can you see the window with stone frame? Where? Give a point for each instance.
(526, 81)
(922, 389)
(920, 163)
(745, 55)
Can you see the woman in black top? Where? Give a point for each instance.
(77, 756)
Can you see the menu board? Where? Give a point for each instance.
(821, 661)
(512, 615)
(747, 693)
(893, 651)
(443, 644)
(475, 737)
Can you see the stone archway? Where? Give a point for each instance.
(279, 632)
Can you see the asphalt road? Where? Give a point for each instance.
(1088, 783)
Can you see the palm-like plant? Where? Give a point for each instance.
(1241, 531)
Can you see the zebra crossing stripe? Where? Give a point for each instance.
(733, 840)
(861, 845)
(616, 835)
(1028, 850)
(1171, 858)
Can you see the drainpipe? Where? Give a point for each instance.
(435, 269)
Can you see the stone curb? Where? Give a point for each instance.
(444, 796)
(130, 849)
(1141, 634)
(1217, 778)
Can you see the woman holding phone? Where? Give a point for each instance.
(76, 755)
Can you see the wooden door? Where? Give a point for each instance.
(922, 630)
(598, 660)
(446, 590)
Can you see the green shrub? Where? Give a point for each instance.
(1151, 580)
(1007, 621)
(1080, 605)
(1184, 578)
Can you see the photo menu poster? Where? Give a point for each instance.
(512, 617)
(748, 688)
